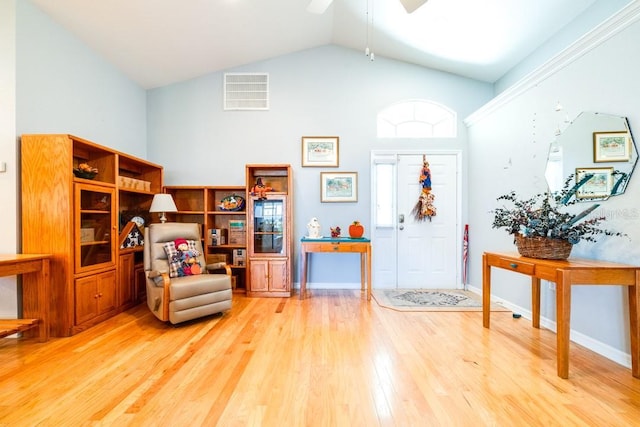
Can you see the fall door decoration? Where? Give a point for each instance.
(424, 208)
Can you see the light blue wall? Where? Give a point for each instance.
(509, 146)
(52, 83)
(323, 91)
(583, 24)
(64, 87)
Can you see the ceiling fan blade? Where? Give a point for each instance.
(318, 6)
(411, 5)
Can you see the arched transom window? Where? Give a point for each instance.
(417, 119)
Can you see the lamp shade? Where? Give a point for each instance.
(163, 203)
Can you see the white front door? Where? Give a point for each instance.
(409, 253)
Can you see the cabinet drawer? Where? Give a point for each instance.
(335, 247)
(519, 266)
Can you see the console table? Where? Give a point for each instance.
(566, 273)
(338, 245)
(35, 283)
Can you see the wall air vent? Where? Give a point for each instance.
(246, 91)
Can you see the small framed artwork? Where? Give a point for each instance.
(338, 186)
(594, 183)
(611, 147)
(320, 151)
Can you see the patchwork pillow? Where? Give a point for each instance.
(183, 258)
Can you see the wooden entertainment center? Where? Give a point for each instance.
(79, 221)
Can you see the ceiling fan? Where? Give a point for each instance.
(319, 6)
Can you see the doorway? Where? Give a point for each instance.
(409, 253)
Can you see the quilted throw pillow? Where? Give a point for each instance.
(183, 258)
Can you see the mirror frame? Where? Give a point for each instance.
(599, 150)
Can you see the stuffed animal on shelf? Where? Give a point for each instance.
(260, 190)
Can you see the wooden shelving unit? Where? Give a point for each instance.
(269, 224)
(203, 205)
(79, 220)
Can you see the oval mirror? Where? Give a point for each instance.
(599, 151)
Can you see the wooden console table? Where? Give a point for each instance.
(35, 283)
(339, 245)
(566, 273)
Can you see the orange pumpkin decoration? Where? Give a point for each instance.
(356, 230)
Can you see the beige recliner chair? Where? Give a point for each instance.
(178, 299)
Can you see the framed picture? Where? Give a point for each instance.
(320, 151)
(597, 185)
(611, 147)
(338, 186)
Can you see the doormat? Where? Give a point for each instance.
(431, 300)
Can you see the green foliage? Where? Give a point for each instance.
(542, 215)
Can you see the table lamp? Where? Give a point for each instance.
(163, 203)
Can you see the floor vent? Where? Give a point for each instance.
(246, 91)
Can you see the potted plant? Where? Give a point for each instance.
(540, 226)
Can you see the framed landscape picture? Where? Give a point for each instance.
(338, 186)
(598, 185)
(611, 147)
(320, 151)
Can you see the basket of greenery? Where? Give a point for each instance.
(542, 228)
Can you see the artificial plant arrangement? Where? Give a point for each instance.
(542, 216)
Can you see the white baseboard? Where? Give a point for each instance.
(596, 346)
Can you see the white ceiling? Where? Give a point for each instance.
(158, 42)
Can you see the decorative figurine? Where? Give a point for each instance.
(313, 229)
(356, 230)
(260, 190)
(335, 232)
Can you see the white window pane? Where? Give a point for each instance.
(416, 119)
(384, 195)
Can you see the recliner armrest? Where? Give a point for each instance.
(159, 278)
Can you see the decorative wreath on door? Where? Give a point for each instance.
(424, 208)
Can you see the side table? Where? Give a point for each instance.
(338, 245)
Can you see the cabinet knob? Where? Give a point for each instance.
(513, 265)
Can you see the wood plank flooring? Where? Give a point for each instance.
(333, 359)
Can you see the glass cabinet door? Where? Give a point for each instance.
(94, 227)
(269, 226)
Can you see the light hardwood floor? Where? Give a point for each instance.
(330, 360)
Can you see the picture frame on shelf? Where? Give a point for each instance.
(597, 186)
(338, 187)
(320, 151)
(611, 146)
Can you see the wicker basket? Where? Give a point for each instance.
(543, 247)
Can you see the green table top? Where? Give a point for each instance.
(334, 239)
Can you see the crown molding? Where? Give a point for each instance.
(603, 32)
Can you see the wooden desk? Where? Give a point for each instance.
(565, 273)
(339, 245)
(35, 283)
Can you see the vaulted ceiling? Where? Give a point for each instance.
(159, 42)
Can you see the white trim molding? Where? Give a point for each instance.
(615, 24)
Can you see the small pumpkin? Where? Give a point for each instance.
(356, 230)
